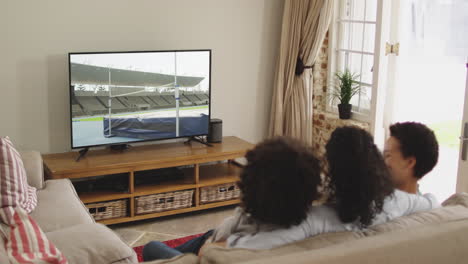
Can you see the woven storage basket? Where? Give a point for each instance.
(222, 192)
(107, 210)
(163, 201)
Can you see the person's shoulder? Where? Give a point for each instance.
(414, 202)
(398, 194)
(433, 199)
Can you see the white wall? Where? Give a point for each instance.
(35, 37)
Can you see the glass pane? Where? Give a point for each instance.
(371, 10)
(366, 93)
(356, 32)
(355, 102)
(344, 37)
(361, 103)
(352, 34)
(357, 9)
(353, 62)
(340, 62)
(369, 38)
(367, 69)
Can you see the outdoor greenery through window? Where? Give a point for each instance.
(354, 26)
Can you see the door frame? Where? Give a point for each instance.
(462, 182)
(378, 126)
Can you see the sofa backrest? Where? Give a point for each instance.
(436, 243)
(32, 161)
(237, 255)
(454, 210)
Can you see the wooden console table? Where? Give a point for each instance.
(148, 157)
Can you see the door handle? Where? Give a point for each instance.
(464, 142)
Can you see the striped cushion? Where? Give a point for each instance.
(14, 188)
(24, 240)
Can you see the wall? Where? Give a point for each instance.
(35, 37)
(325, 122)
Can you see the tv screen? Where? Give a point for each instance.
(124, 97)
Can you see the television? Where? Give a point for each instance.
(124, 97)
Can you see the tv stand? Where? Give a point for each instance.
(203, 168)
(199, 140)
(82, 153)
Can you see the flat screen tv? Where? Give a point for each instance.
(124, 97)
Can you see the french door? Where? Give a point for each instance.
(425, 80)
(462, 179)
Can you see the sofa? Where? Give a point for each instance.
(436, 236)
(67, 223)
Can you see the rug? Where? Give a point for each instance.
(172, 243)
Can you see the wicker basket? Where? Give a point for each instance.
(107, 210)
(163, 202)
(222, 192)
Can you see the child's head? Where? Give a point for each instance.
(280, 181)
(410, 152)
(358, 178)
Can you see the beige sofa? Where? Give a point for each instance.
(67, 223)
(436, 236)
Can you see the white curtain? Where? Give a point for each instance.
(305, 24)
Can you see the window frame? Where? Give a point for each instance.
(335, 33)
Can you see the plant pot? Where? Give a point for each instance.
(344, 111)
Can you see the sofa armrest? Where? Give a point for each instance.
(92, 244)
(34, 168)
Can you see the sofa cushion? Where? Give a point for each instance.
(14, 188)
(92, 243)
(435, 216)
(33, 165)
(59, 206)
(25, 242)
(457, 199)
(214, 254)
(455, 208)
(445, 243)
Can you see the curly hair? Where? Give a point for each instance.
(358, 179)
(279, 182)
(418, 141)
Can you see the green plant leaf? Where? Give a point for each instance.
(345, 87)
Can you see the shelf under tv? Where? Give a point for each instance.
(203, 167)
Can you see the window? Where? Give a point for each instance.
(352, 41)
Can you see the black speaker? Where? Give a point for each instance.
(215, 132)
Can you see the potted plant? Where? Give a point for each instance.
(346, 86)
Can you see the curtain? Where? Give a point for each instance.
(305, 24)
